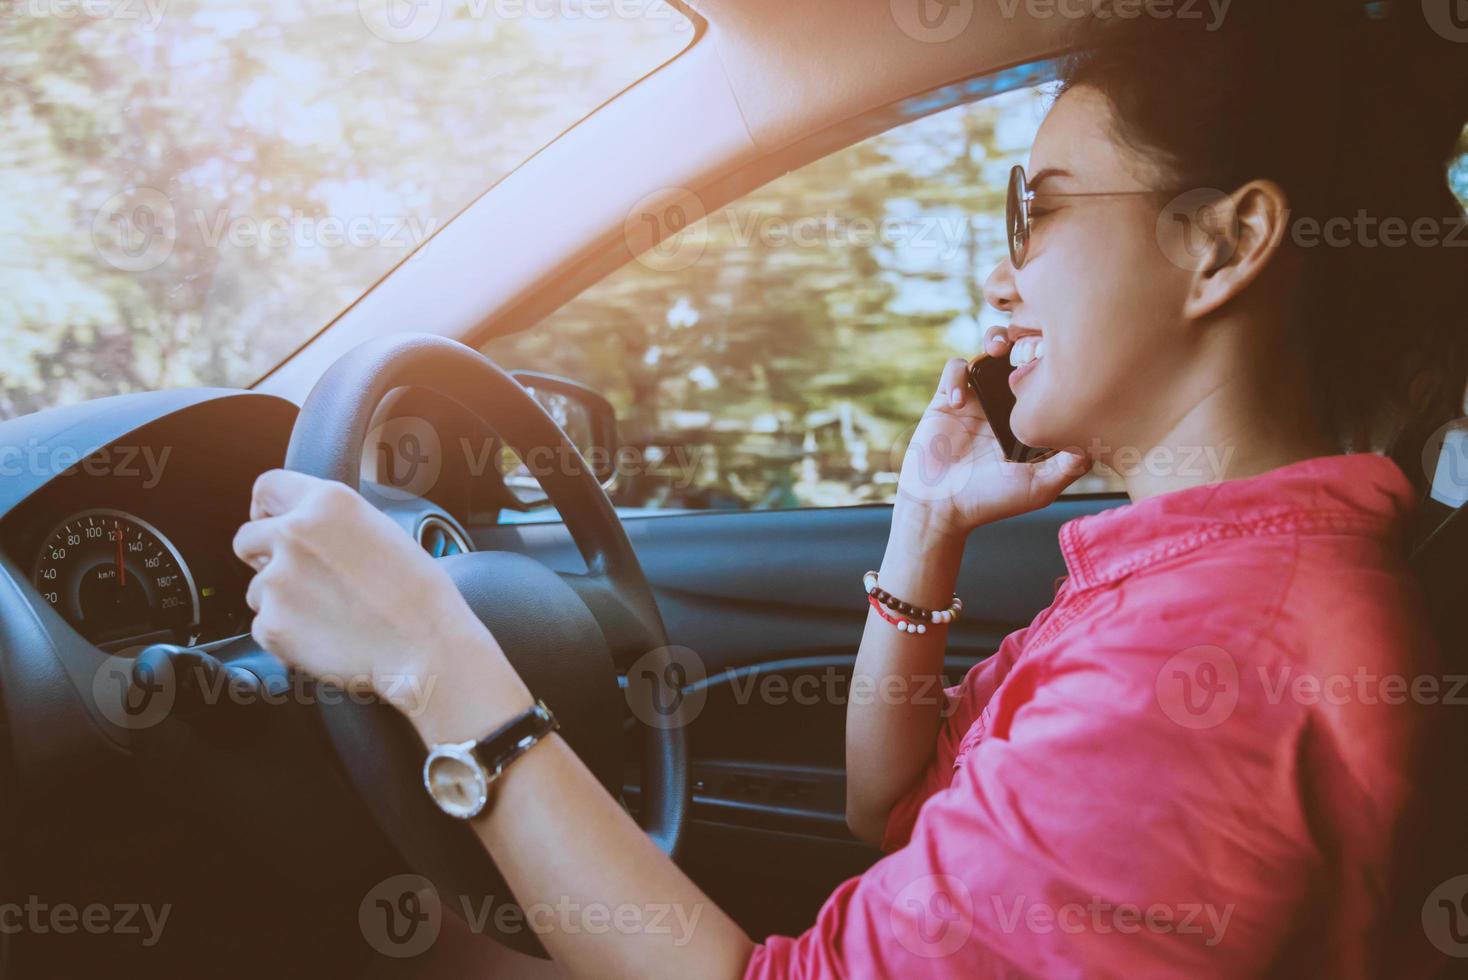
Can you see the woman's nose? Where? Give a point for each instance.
(999, 288)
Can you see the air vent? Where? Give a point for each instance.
(440, 538)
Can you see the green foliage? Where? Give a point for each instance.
(842, 287)
(280, 157)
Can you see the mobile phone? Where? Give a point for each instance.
(989, 379)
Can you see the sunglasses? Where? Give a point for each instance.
(1018, 221)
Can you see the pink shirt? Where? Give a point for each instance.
(1193, 763)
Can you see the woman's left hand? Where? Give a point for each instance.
(342, 592)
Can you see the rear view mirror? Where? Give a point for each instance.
(586, 417)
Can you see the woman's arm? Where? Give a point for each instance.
(893, 713)
(340, 591)
(604, 900)
(954, 478)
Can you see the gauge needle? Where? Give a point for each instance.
(121, 568)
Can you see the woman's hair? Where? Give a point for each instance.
(1355, 109)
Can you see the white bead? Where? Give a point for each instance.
(922, 628)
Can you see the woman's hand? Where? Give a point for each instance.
(955, 477)
(343, 593)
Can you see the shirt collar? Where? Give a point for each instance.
(1361, 493)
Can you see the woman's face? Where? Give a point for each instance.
(1099, 289)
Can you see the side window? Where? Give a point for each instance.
(782, 356)
(778, 353)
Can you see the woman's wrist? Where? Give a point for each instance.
(917, 527)
(468, 688)
(922, 558)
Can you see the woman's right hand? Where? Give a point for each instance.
(955, 477)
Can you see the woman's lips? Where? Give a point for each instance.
(1018, 374)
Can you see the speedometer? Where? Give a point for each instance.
(115, 577)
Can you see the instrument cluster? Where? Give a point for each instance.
(116, 579)
(133, 544)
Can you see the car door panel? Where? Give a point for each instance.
(770, 604)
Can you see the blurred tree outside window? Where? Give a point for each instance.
(193, 188)
(788, 364)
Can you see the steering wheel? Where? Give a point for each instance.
(566, 635)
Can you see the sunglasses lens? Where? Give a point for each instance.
(1014, 217)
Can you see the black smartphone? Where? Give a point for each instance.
(989, 379)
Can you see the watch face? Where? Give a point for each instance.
(455, 780)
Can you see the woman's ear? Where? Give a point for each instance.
(1246, 230)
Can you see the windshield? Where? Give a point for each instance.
(195, 187)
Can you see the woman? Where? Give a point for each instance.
(1138, 782)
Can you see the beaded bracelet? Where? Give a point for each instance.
(901, 624)
(906, 609)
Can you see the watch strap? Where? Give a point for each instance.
(514, 738)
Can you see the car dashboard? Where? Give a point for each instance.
(125, 530)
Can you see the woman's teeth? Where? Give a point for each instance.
(1025, 350)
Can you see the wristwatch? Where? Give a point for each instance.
(458, 774)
